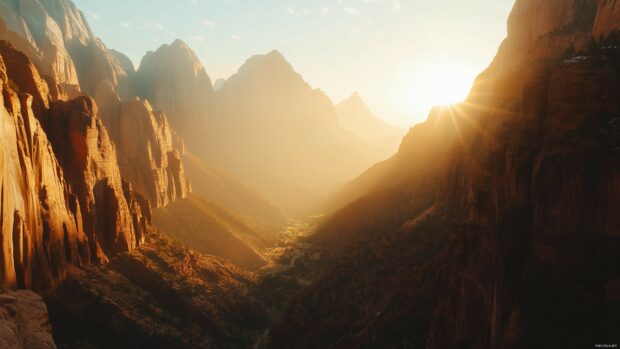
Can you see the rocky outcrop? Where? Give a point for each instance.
(23, 321)
(538, 212)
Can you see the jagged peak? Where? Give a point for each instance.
(178, 43)
(177, 48)
(275, 54)
(355, 98)
(273, 61)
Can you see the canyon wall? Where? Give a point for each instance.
(63, 199)
(495, 225)
(69, 56)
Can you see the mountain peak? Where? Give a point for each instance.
(178, 43)
(277, 58)
(355, 98)
(275, 54)
(273, 64)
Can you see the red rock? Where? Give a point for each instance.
(41, 233)
(150, 162)
(88, 158)
(174, 81)
(607, 18)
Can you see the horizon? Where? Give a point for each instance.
(400, 80)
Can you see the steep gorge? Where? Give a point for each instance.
(70, 196)
(495, 225)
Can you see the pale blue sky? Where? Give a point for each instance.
(403, 56)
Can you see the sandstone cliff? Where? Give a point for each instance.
(73, 60)
(61, 44)
(88, 158)
(42, 231)
(147, 154)
(174, 81)
(498, 231)
(64, 201)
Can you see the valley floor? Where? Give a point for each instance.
(166, 295)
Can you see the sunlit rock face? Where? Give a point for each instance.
(148, 154)
(607, 18)
(498, 225)
(42, 230)
(88, 158)
(59, 41)
(150, 161)
(174, 81)
(87, 65)
(63, 200)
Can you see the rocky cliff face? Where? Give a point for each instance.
(59, 41)
(42, 230)
(174, 81)
(73, 60)
(63, 200)
(147, 154)
(532, 265)
(607, 18)
(23, 321)
(508, 237)
(88, 158)
(150, 161)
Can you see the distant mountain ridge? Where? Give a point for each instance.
(356, 117)
(264, 125)
(289, 144)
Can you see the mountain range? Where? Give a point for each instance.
(144, 204)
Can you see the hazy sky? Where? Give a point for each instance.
(403, 56)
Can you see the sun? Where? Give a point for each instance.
(441, 84)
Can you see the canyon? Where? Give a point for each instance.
(149, 208)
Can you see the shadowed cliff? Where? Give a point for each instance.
(494, 225)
